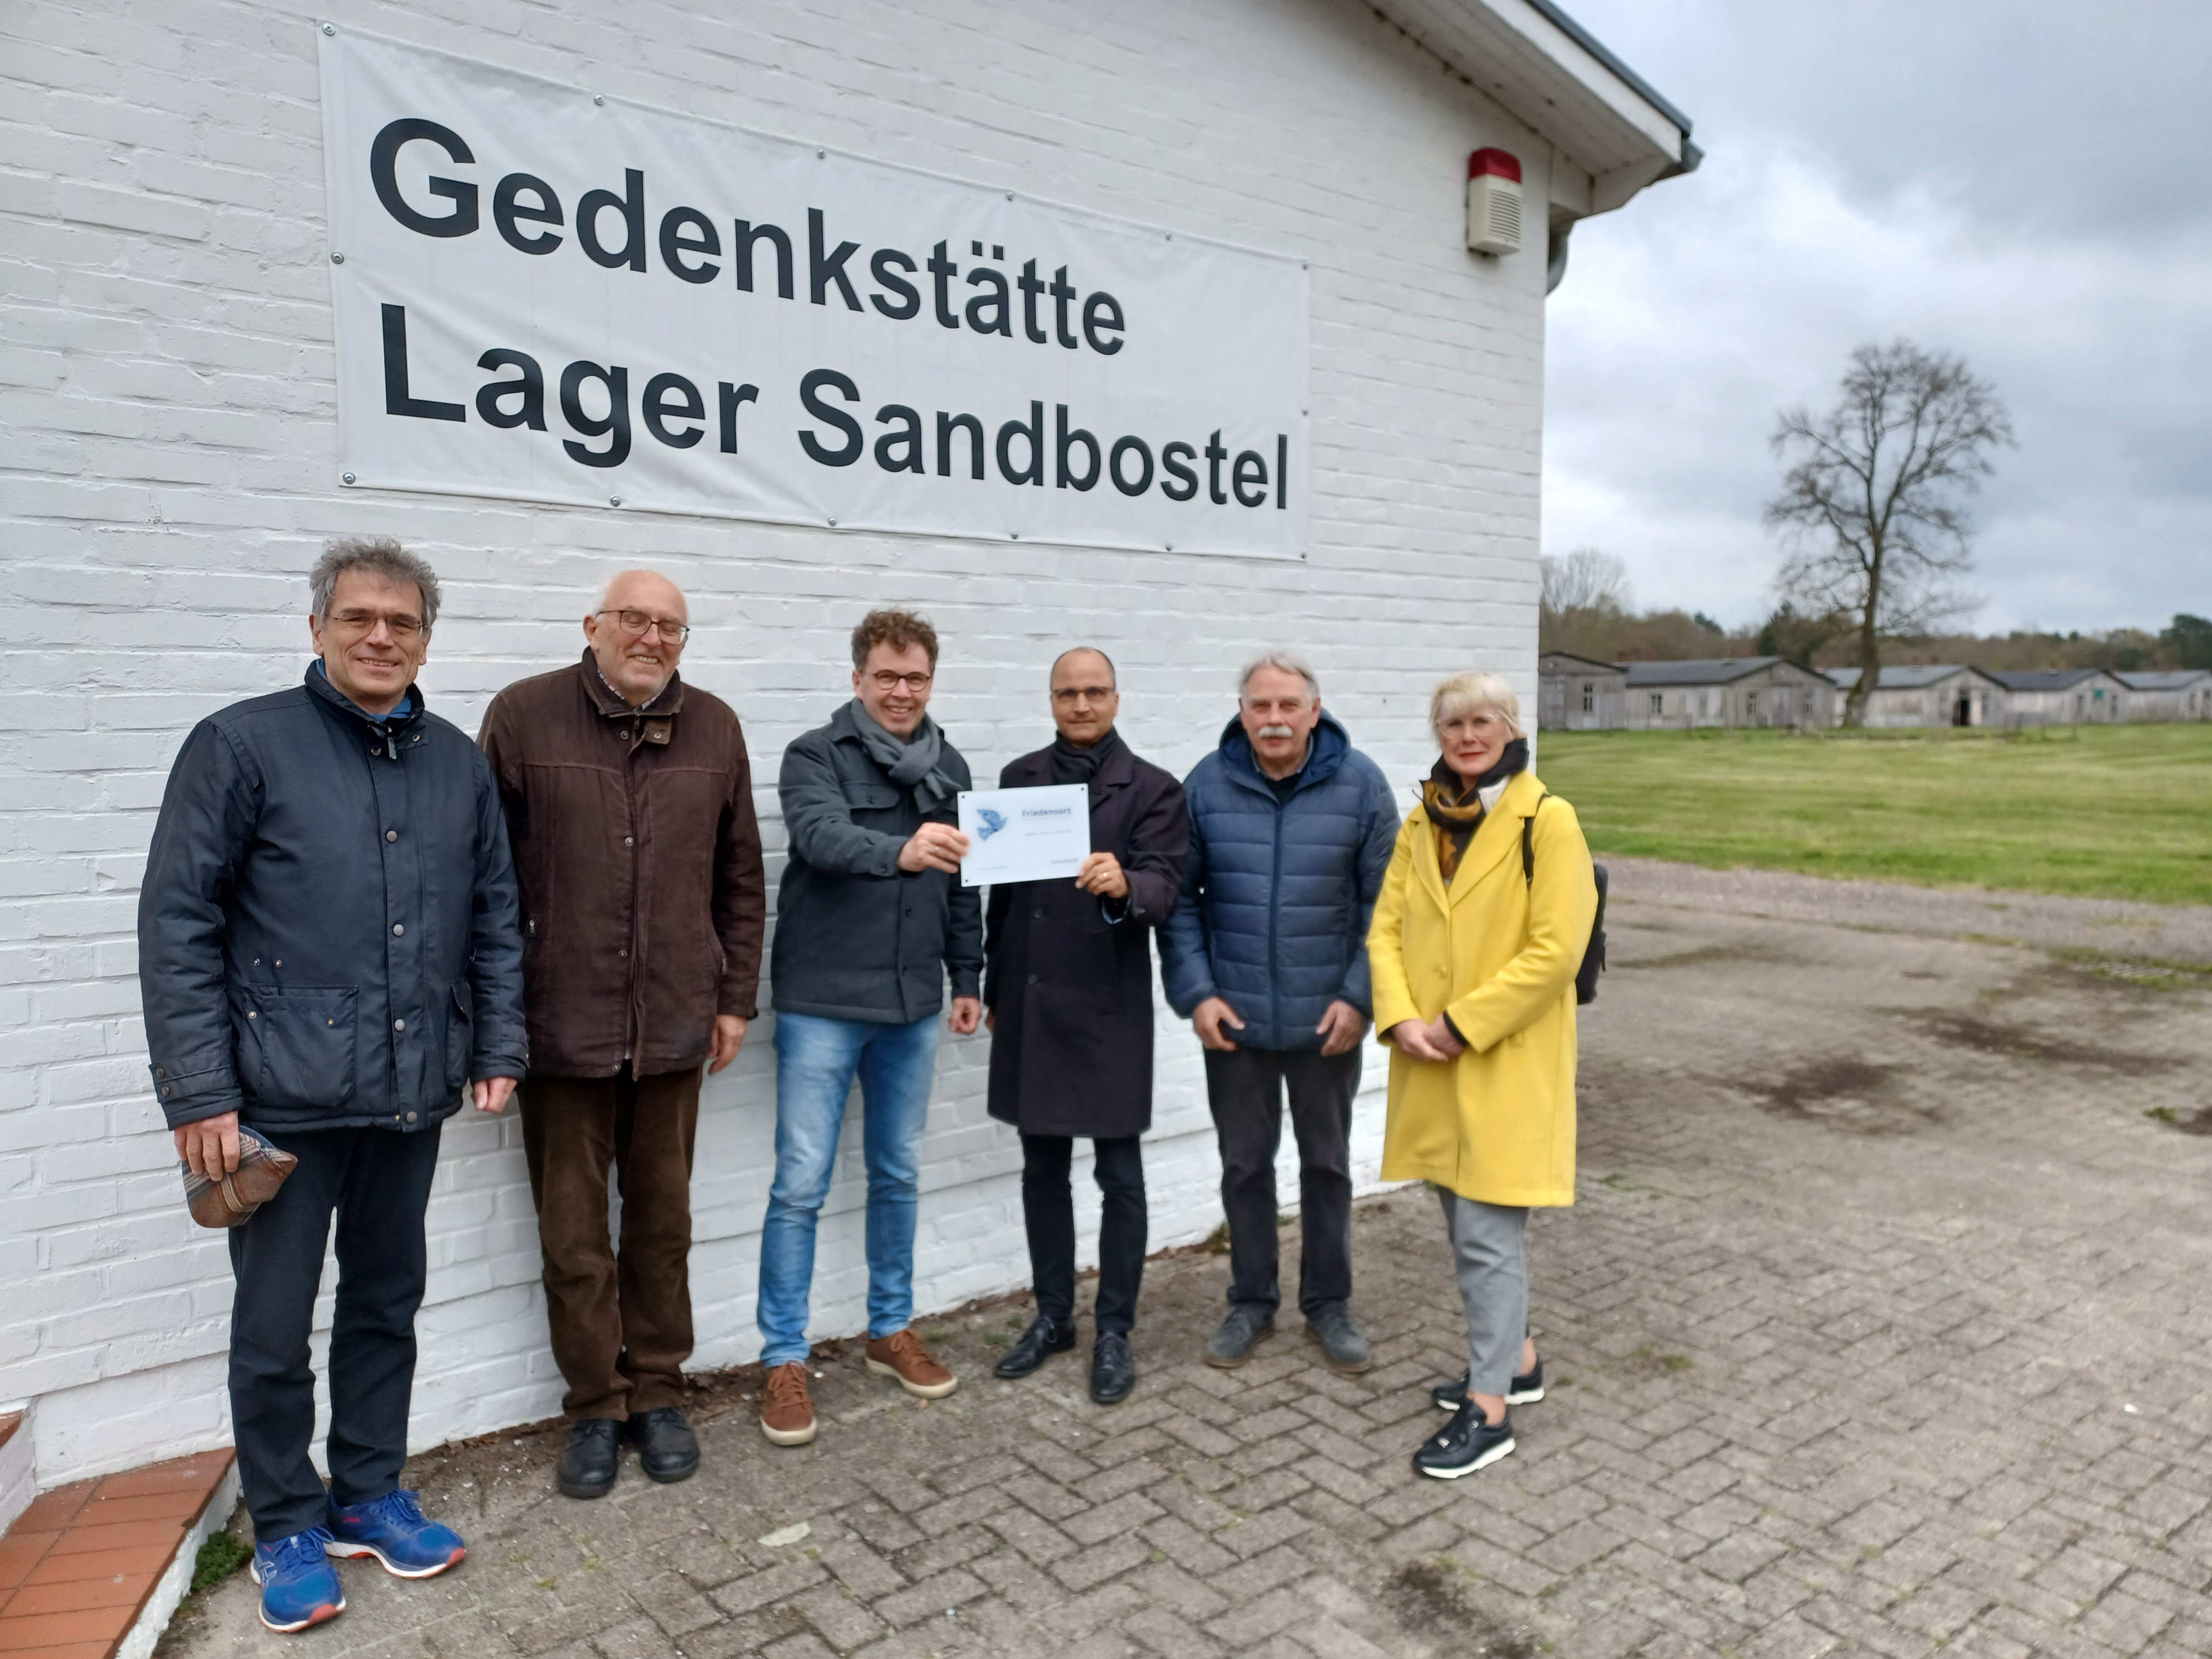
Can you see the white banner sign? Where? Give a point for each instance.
(545, 294)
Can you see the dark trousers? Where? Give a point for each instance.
(378, 1181)
(1048, 1208)
(621, 1318)
(1245, 1088)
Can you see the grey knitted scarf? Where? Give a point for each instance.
(914, 763)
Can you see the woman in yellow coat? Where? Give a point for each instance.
(1473, 960)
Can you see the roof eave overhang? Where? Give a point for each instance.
(1586, 662)
(1614, 131)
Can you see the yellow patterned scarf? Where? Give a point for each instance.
(1455, 806)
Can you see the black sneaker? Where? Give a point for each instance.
(1234, 1337)
(592, 1456)
(1466, 1445)
(1044, 1337)
(1525, 1389)
(667, 1450)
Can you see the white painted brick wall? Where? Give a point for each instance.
(168, 474)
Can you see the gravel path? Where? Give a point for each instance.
(2148, 932)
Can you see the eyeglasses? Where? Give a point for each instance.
(1068, 696)
(402, 627)
(886, 681)
(636, 623)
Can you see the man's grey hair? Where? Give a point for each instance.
(380, 554)
(1283, 662)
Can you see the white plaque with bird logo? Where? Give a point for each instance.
(1025, 835)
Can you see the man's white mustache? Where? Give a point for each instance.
(1276, 732)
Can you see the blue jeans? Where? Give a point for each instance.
(816, 1060)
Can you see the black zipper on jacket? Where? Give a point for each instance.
(1275, 923)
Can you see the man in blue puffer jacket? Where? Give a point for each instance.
(1291, 831)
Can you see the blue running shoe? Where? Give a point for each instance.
(299, 1585)
(394, 1530)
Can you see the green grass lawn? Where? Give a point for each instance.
(2101, 811)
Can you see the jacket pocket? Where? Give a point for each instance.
(1090, 962)
(296, 1045)
(460, 1034)
(869, 797)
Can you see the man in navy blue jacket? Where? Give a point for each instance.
(328, 954)
(1291, 832)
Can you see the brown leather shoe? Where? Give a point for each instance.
(787, 1410)
(901, 1355)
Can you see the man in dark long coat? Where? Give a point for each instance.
(1068, 981)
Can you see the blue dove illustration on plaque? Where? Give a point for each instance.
(987, 822)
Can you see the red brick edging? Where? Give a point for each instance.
(78, 1564)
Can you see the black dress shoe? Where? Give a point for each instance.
(1044, 1336)
(595, 1453)
(1113, 1369)
(667, 1450)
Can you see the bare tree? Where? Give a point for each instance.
(1872, 497)
(1585, 580)
(1583, 598)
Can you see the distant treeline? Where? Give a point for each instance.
(1586, 609)
(1612, 636)
(2187, 643)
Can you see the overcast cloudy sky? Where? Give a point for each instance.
(2022, 182)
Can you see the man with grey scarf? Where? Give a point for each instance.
(869, 919)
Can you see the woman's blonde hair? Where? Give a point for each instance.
(1464, 694)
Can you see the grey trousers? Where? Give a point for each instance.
(1486, 1241)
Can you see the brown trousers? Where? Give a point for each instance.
(620, 1320)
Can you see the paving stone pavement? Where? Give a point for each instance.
(1883, 1325)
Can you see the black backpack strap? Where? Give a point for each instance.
(1527, 843)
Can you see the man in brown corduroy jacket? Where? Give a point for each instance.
(628, 803)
